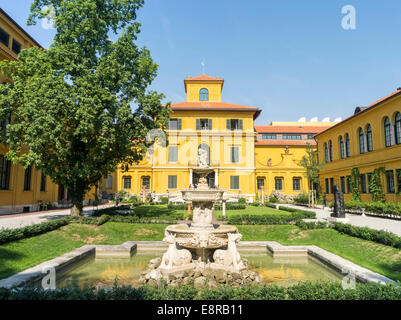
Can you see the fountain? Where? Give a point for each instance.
(201, 251)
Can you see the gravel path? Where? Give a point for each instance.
(27, 219)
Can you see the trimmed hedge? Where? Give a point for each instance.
(229, 206)
(308, 214)
(365, 233)
(379, 236)
(301, 291)
(377, 207)
(271, 205)
(9, 235)
(268, 218)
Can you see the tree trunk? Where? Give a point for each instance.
(77, 204)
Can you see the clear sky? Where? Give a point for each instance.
(290, 58)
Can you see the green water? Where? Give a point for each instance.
(280, 271)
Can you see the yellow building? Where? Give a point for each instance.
(20, 189)
(243, 157)
(369, 139)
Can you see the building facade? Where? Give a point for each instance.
(21, 189)
(367, 140)
(244, 157)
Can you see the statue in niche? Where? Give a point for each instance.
(269, 162)
(202, 158)
(287, 150)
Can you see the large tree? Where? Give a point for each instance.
(82, 107)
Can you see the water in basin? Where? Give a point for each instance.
(280, 271)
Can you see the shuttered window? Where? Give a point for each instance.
(234, 182)
(234, 124)
(234, 154)
(172, 154)
(172, 182)
(175, 124)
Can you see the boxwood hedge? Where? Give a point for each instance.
(300, 291)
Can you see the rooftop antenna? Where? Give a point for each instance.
(203, 66)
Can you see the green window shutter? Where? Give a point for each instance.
(172, 182)
(172, 154)
(228, 124)
(234, 182)
(210, 124)
(240, 124)
(234, 155)
(198, 124)
(179, 124)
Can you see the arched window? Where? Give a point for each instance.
(330, 151)
(326, 153)
(347, 146)
(361, 141)
(204, 95)
(397, 128)
(369, 138)
(387, 132)
(342, 154)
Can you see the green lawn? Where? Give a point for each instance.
(19, 255)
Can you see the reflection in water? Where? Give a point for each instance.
(107, 272)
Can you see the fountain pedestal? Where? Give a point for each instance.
(200, 245)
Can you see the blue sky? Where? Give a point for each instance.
(290, 58)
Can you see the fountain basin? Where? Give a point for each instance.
(212, 238)
(195, 195)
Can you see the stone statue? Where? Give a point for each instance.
(202, 158)
(339, 209)
(230, 258)
(173, 256)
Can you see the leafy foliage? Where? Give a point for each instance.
(376, 186)
(355, 184)
(302, 291)
(310, 162)
(82, 107)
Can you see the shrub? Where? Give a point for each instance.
(302, 198)
(164, 200)
(9, 235)
(270, 205)
(230, 206)
(273, 199)
(376, 207)
(266, 219)
(242, 200)
(302, 291)
(307, 214)
(379, 236)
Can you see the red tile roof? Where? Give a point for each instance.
(203, 77)
(284, 142)
(373, 105)
(290, 129)
(214, 106)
